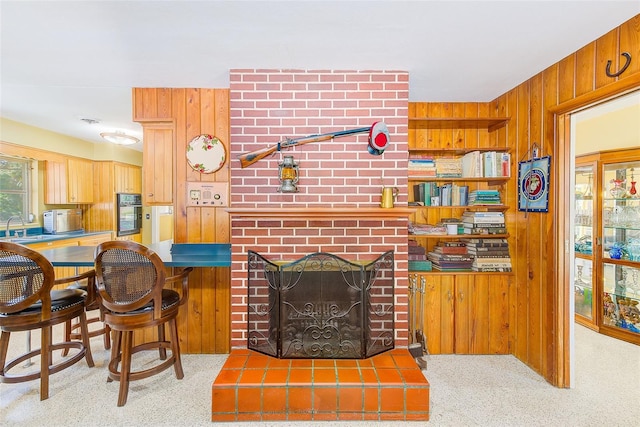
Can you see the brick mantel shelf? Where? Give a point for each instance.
(320, 212)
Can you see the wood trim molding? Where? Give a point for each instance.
(320, 212)
(612, 90)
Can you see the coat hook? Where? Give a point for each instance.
(624, 67)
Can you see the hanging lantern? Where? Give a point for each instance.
(288, 175)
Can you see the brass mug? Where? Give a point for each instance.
(388, 197)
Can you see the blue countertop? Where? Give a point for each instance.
(183, 255)
(38, 238)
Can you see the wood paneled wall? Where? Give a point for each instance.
(204, 323)
(541, 319)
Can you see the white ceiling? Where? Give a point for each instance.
(66, 60)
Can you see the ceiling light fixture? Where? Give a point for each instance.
(119, 138)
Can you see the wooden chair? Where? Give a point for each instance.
(27, 302)
(130, 282)
(71, 329)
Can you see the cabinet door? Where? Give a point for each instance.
(128, 178)
(79, 181)
(55, 183)
(158, 158)
(438, 306)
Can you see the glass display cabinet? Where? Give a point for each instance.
(583, 238)
(607, 243)
(621, 249)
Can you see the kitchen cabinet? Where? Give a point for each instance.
(158, 157)
(69, 181)
(127, 178)
(612, 250)
(465, 314)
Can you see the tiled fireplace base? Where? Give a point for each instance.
(255, 387)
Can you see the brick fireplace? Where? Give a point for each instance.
(336, 210)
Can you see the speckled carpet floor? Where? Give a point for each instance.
(465, 391)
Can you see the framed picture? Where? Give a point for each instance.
(533, 185)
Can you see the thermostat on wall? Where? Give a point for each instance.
(208, 194)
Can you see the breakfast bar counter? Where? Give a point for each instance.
(173, 255)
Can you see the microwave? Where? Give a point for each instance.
(58, 221)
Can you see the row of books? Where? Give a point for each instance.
(487, 164)
(475, 164)
(432, 194)
(482, 255)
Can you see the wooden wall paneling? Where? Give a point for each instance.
(145, 104)
(566, 76)
(178, 108)
(471, 135)
(164, 100)
(434, 136)
(191, 224)
(629, 41)
(536, 222)
(521, 109)
(549, 345)
(585, 67)
(607, 50)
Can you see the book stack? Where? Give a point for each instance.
(450, 256)
(448, 167)
(416, 252)
(489, 254)
(452, 194)
(421, 167)
(483, 223)
(418, 257)
(484, 197)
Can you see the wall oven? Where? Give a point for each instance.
(129, 214)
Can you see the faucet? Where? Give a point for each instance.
(24, 228)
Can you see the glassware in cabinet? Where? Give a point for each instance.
(621, 297)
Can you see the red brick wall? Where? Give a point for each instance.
(268, 106)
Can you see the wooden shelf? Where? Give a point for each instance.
(449, 273)
(455, 151)
(458, 236)
(496, 208)
(489, 179)
(320, 212)
(489, 123)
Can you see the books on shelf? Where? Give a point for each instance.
(472, 166)
(423, 167)
(450, 256)
(448, 167)
(484, 197)
(496, 164)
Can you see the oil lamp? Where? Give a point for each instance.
(288, 175)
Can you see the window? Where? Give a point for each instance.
(15, 188)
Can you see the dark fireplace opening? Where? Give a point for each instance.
(320, 306)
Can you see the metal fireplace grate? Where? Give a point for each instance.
(321, 306)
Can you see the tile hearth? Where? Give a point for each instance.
(255, 387)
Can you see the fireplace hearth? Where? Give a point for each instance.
(320, 306)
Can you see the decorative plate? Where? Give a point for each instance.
(206, 153)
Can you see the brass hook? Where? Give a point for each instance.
(624, 67)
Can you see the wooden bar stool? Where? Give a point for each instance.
(130, 281)
(27, 302)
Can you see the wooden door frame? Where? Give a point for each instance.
(562, 231)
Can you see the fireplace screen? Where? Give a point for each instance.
(321, 306)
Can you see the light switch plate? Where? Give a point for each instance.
(204, 194)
